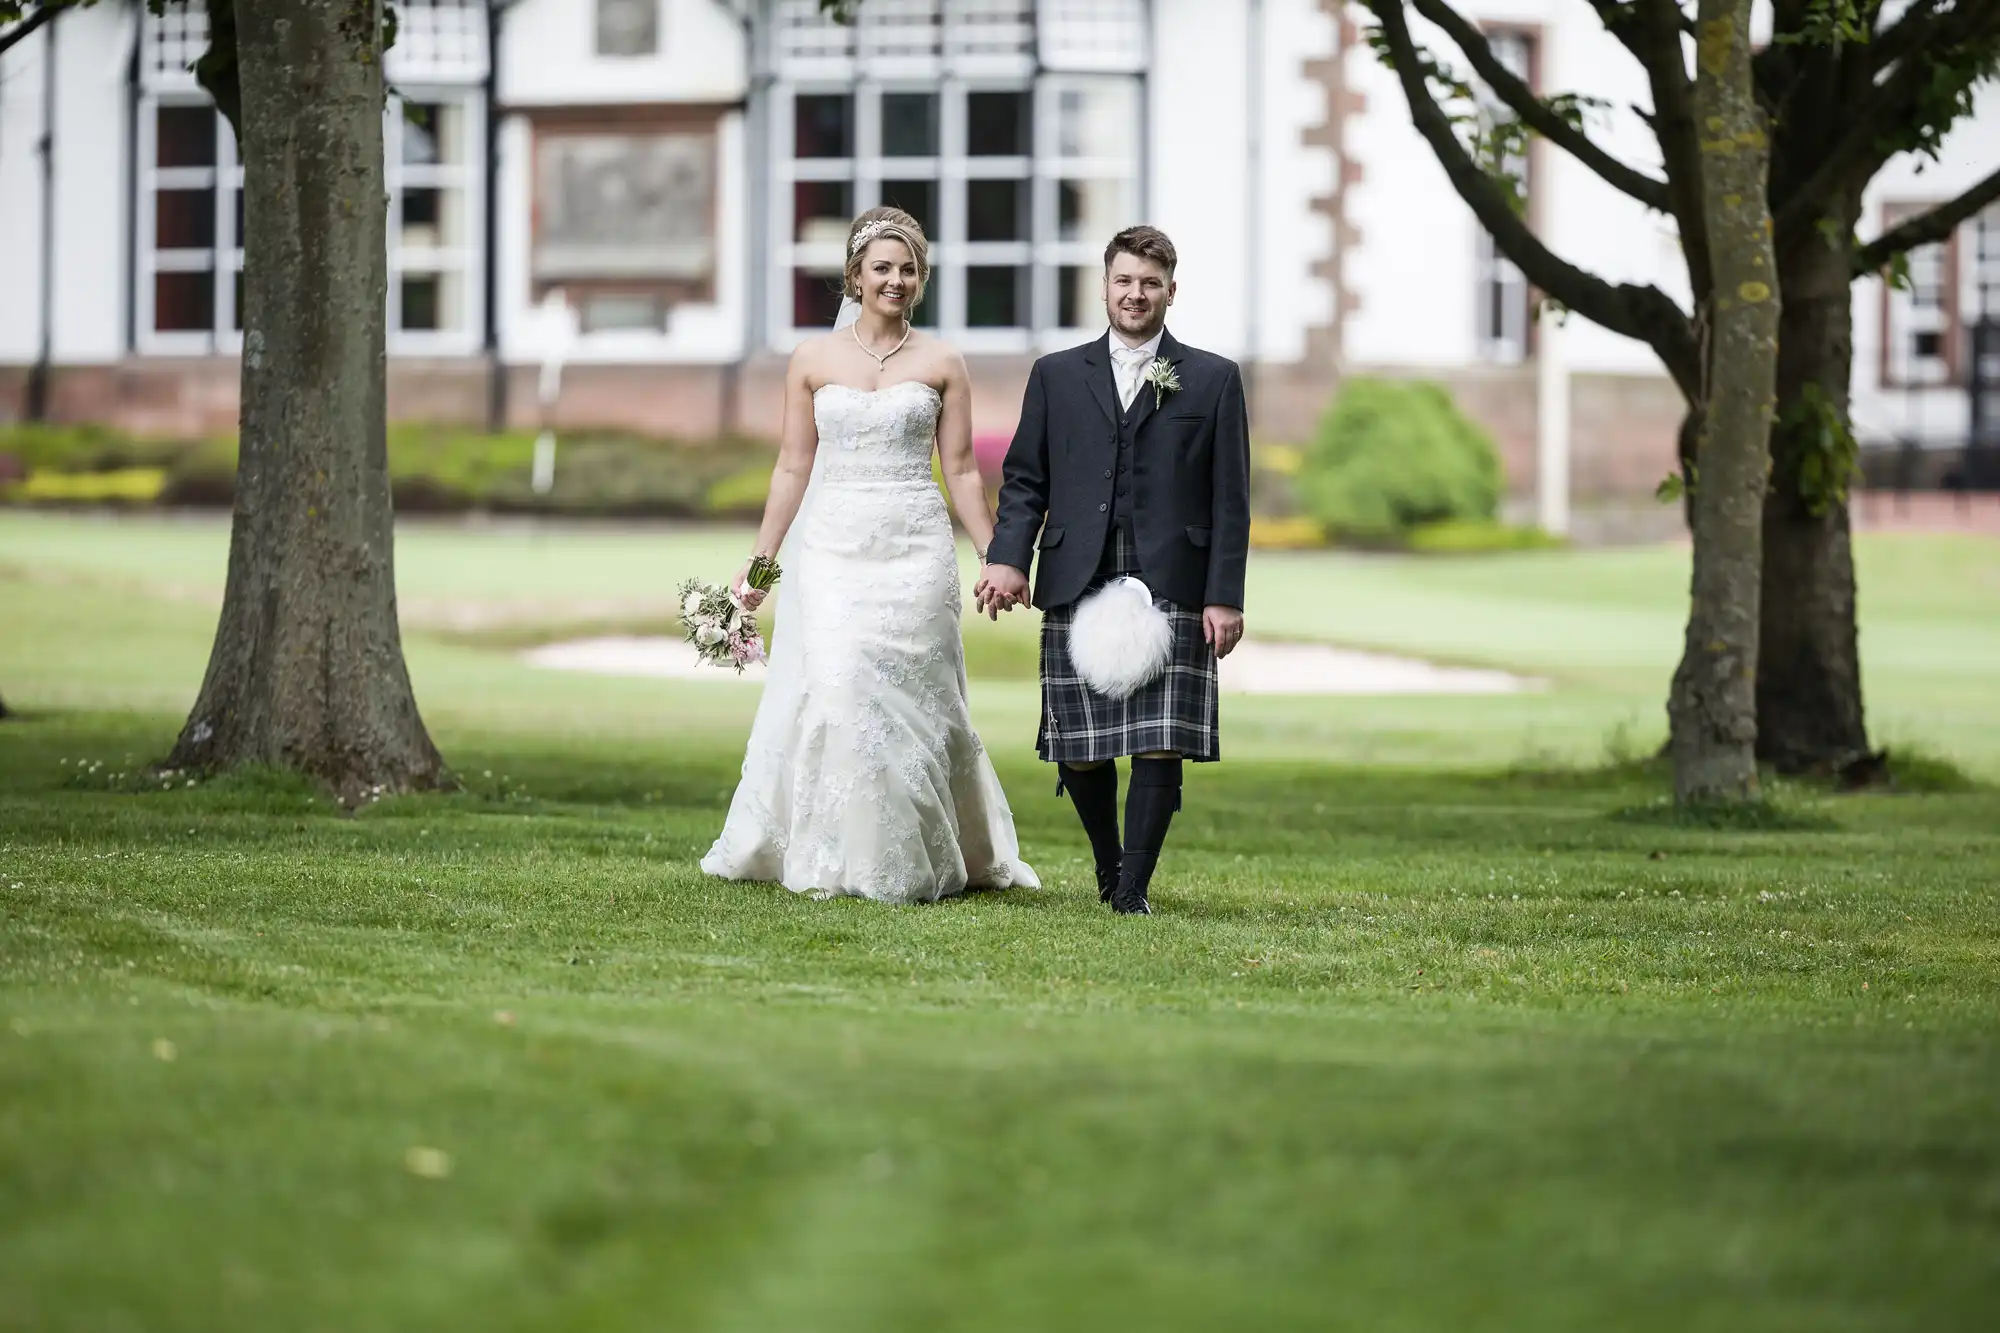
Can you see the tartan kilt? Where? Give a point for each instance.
(1175, 712)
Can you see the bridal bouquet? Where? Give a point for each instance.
(722, 631)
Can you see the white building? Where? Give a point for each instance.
(681, 172)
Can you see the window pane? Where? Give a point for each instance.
(236, 206)
(420, 302)
(425, 135)
(815, 299)
(184, 302)
(185, 136)
(420, 209)
(996, 210)
(909, 125)
(925, 316)
(622, 310)
(432, 218)
(996, 298)
(184, 219)
(917, 198)
(997, 124)
(823, 125)
(1099, 120)
(1090, 211)
(628, 27)
(822, 212)
(236, 305)
(1079, 296)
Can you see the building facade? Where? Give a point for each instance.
(654, 194)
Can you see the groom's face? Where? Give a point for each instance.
(1137, 293)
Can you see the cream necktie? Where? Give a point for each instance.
(1128, 361)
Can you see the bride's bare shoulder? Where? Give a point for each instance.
(940, 357)
(811, 355)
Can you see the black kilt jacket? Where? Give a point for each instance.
(1190, 478)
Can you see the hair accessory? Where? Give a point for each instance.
(869, 231)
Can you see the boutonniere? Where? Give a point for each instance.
(1163, 379)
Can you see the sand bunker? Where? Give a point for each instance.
(1256, 667)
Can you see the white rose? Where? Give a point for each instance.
(708, 635)
(692, 606)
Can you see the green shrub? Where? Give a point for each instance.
(1459, 536)
(1393, 455)
(432, 469)
(129, 486)
(202, 478)
(41, 447)
(742, 493)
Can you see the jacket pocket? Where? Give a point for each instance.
(1199, 536)
(1052, 537)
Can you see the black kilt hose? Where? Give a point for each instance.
(1176, 712)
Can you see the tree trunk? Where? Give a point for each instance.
(1713, 702)
(1809, 709)
(4, 714)
(307, 669)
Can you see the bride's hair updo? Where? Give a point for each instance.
(896, 225)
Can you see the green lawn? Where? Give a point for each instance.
(1441, 1026)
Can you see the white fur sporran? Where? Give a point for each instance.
(1118, 640)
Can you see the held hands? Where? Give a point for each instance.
(1001, 588)
(1221, 629)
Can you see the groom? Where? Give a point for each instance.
(1132, 457)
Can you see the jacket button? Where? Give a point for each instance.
(1107, 472)
(1102, 508)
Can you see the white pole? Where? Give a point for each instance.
(1551, 426)
(558, 327)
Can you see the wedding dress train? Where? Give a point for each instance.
(863, 775)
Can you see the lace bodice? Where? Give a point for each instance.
(876, 434)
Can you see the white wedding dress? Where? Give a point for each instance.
(863, 775)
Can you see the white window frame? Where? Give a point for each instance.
(223, 258)
(1041, 171)
(465, 258)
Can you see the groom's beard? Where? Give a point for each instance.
(1155, 320)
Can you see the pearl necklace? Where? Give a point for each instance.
(882, 361)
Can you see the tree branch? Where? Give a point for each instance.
(1652, 33)
(21, 31)
(1888, 106)
(1925, 228)
(1536, 114)
(1644, 313)
(1908, 35)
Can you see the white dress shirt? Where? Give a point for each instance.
(1128, 364)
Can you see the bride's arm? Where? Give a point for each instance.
(797, 443)
(956, 459)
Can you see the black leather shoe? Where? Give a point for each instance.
(1107, 882)
(1135, 872)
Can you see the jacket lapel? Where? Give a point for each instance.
(1103, 385)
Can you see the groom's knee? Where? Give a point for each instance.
(1083, 768)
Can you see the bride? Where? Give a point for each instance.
(863, 775)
